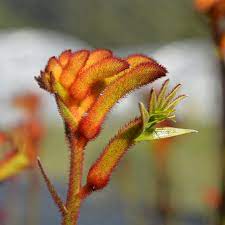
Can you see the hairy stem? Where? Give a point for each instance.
(73, 203)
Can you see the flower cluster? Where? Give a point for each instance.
(87, 84)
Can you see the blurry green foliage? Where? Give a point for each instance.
(108, 23)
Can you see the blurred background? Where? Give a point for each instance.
(177, 36)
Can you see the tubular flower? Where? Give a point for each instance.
(87, 84)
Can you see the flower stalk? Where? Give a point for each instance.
(86, 85)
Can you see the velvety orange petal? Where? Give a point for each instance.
(137, 59)
(96, 56)
(76, 62)
(100, 172)
(64, 57)
(133, 61)
(141, 75)
(105, 68)
(54, 67)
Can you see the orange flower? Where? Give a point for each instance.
(88, 83)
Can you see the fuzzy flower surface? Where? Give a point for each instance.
(87, 84)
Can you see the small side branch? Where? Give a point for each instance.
(57, 200)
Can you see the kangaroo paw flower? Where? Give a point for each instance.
(140, 75)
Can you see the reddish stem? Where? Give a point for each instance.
(77, 145)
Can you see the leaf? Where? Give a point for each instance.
(66, 114)
(60, 91)
(171, 96)
(162, 93)
(152, 101)
(175, 102)
(144, 114)
(165, 132)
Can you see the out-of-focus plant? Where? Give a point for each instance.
(215, 10)
(23, 144)
(86, 85)
(23, 139)
(212, 197)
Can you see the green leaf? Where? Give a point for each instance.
(162, 94)
(153, 101)
(66, 114)
(175, 102)
(60, 91)
(144, 114)
(171, 96)
(161, 107)
(160, 133)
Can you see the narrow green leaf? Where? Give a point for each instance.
(174, 103)
(66, 114)
(60, 91)
(165, 132)
(162, 94)
(170, 96)
(153, 101)
(144, 114)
